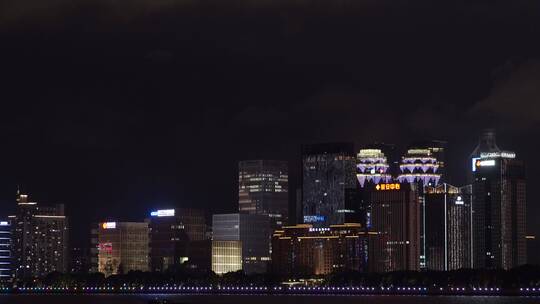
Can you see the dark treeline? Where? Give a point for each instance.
(525, 276)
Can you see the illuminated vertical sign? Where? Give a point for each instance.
(474, 159)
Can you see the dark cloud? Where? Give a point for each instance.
(515, 99)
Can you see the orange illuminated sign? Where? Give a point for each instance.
(385, 187)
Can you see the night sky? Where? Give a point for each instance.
(115, 108)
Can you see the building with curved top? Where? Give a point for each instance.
(422, 164)
(372, 167)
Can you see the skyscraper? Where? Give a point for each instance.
(121, 247)
(423, 164)
(375, 164)
(395, 217)
(240, 237)
(6, 271)
(327, 170)
(39, 239)
(499, 202)
(263, 187)
(448, 230)
(171, 231)
(373, 167)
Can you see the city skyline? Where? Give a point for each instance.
(358, 213)
(125, 114)
(209, 212)
(250, 150)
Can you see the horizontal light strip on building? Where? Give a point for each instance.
(319, 237)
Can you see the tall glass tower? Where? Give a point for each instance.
(327, 171)
(263, 188)
(499, 202)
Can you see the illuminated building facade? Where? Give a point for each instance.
(448, 225)
(422, 164)
(121, 247)
(226, 256)
(327, 170)
(171, 231)
(263, 187)
(249, 232)
(395, 216)
(80, 260)
(6, 271)
(499, 200)
(304, 250)
(372, 167)
(39, 239)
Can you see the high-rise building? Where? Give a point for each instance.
(422, 164)
(327, 170)
(6, 272)
(80, 260)
(373, 167)
(226, 256)
(171, 231)
(263, 187)
(487, 143)
(448, 230)
(394, 214)
(39, 239)
(304, 250)
(121, 247)
(375, 164)
(241, 237)
(499, 201)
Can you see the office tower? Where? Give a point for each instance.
(6, 272)
(171, 231)
(375, 163)
(422, 164)
(39, 239)
(226, 256)
(355, 210)
(327, 170)
(395, 216)
(372, 167)
(532, 246)
(80, 260)
(487, 144)
(304, 250)
(499, 200)
(121, 247)
(240, 237)
(448, 230)
(263, 187)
